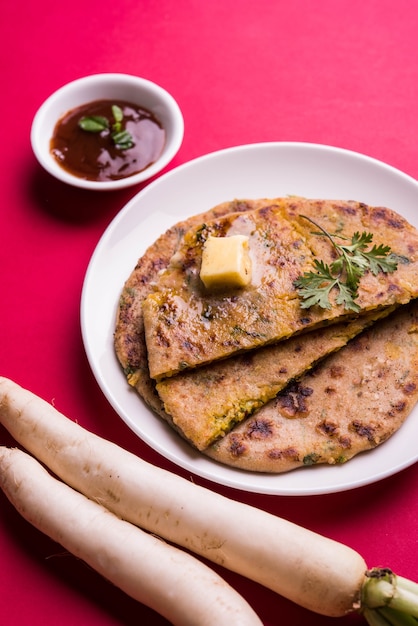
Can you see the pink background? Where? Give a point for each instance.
(338, 72)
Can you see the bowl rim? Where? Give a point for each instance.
(173, 143)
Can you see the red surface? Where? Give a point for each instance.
(342, 73)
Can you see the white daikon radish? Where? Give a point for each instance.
(165, 578)
(317, 573)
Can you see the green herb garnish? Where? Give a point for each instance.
(97, 124)
(345, 272)
(94, 123)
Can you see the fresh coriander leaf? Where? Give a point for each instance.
(379, 259)
(314, 287)
(354, 270)
(346, 296)
(358, 242)
(319, 297)
(93, 123)
(345, 272)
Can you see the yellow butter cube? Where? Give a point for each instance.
(226, 262)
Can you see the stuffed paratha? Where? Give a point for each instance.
(205, 403)
(129, 337)
(130, 343)
(353, 401)
(187, 326)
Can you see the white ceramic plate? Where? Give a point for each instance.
(252, 171)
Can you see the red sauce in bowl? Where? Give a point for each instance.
(94, 156)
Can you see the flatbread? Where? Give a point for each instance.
(205, 403)
(129, 337)
(351, 402)
(187, 326)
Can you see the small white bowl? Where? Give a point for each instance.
(107, 86)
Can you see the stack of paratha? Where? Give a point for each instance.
(247, 375)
